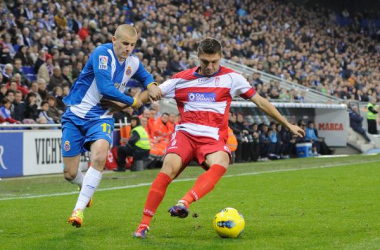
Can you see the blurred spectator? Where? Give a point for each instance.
(22, 53)
(53, 112)
(40, 60)
(57, 93)
(18, 70)
(65, 89)
(26, 36)
(76, 70)
(310, 136)
(46, 68)
(7, 73)
(264, 141)
(372, 113)
(56, 80)
(60, 20)
(66, 76)
(34, 88)
(43, 113)
(42, 89)
(5, 112)
(18, 106)
(31, 108)
(3, 91)
(356, 122)
(137, 146)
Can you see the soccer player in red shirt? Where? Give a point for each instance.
(203, 95)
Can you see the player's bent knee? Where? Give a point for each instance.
(219, 158)
(170, 169)
(98, 159)
(69, 175)
(172, 165)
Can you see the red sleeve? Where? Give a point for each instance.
(11, 120)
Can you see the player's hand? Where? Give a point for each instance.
(296, 131)
(378, 121)
(154, 92)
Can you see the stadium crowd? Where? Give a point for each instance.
(45, 44)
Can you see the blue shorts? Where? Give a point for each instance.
(78, 133)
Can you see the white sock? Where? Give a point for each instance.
(90, 183)
(78, 179)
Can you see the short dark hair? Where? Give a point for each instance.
(209, 46)
(5, 100)
(137, 119)
(9, 91)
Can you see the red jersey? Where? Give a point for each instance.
(204, 102)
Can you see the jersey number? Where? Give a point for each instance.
(106, 128)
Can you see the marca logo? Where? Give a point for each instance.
(2, 165)
(201, 97)
(330, 126)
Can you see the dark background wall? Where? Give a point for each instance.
(338, 5)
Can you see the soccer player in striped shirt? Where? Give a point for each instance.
(203, 95)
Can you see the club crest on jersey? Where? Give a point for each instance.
(217, 80)
(128, 71)
(103, 60)
(66, 147)
(201, 97)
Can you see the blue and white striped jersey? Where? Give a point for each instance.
(104, 76)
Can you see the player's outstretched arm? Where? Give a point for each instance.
(140, 97)
(270, 110)
(145, 96)
(115, 106)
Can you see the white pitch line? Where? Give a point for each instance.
(183, 180)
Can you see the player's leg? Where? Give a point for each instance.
(218, 162)
(72, 140)
(99, 150)
(216, 156)
(171, 167)
(71, 170)
(98, 141)
(206, 182)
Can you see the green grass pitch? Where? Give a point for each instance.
(319, 203)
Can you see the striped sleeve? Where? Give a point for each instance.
(241, 87)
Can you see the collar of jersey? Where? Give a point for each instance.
(199, 76)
